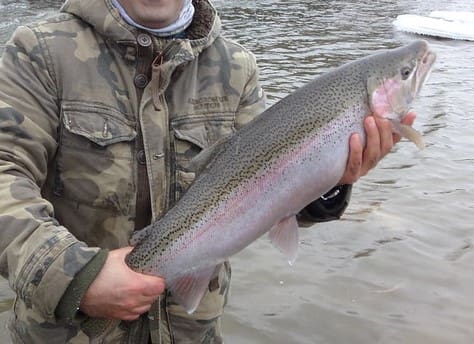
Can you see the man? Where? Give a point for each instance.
(102, 108)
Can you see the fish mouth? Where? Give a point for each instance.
(424, 70)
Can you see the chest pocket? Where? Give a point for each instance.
(95, 160)
(192, 134)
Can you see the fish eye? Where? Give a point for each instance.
(405, 73)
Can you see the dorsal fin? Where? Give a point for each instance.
(204, 158)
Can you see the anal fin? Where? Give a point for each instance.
(189, 289)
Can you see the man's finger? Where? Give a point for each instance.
(409, 118)
(372, 148)
(355, 160)
(385, 135)
(154, 286)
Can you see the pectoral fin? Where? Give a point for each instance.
(190, 288)
(413, 135)
(410, 133)
(284, 235)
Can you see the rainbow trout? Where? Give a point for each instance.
(258, 179)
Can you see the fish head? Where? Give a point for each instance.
(394, 79)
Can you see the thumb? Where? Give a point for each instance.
(152, 285)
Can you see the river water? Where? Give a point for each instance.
(397, 268)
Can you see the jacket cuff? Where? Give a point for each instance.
(68, 307)
(329, 207)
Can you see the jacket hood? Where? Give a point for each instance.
(106, 20)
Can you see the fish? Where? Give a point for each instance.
(259, 179)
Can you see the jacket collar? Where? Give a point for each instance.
(106, 20)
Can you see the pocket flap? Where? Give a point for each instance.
(203, 131)
(97, 123)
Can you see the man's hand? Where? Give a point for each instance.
(380, 141)
(119, 292)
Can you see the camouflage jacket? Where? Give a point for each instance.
(93, 111)
(77, 92)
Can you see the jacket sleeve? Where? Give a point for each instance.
(329, 207)
(252, 101)
(37, 254)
